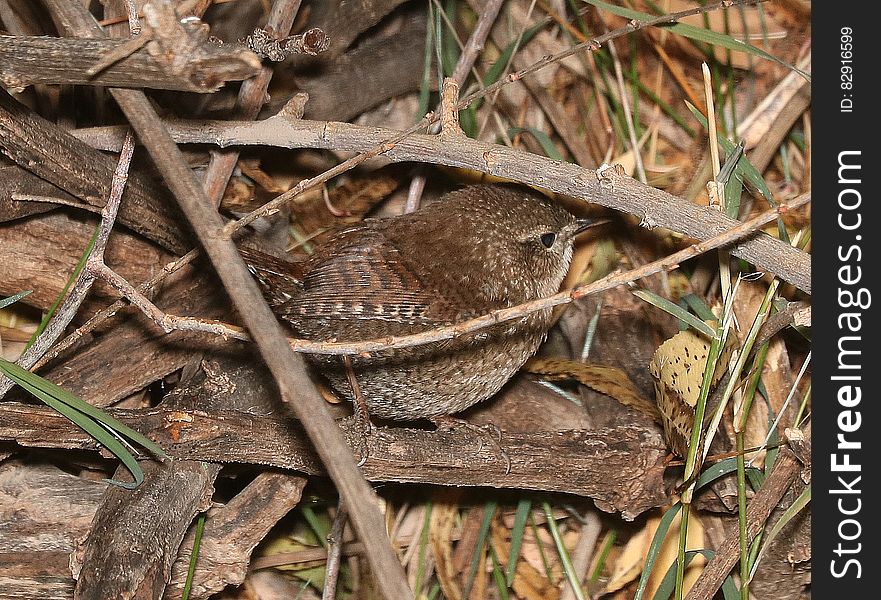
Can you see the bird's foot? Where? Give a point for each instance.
(365, 428)
(484, 432)
(362, 415)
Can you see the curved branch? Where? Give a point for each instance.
(654, 207)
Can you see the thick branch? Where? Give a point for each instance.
(621, 468)
(105, 565)
(654, 207)
(57, 61)
(52, 154)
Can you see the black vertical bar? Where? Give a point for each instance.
(845, 276)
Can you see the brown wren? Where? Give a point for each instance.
(474, 250)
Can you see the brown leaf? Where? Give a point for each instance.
(610, 381)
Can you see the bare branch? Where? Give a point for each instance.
(654, 207)
(252, 95)
(86, 278)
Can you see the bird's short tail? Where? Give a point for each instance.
(279, 279)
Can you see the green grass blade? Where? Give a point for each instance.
(568, 567)
(80, 265)
(434, 14)
(425, 86)
(606, 548)
(24, 377)
(655, 548)
(94, 429)
(744, 169)
(699, 307)
(675, 310)
(423, 547)
(194, 557)
(449, 47)
(468, 121)
(665, 108)
(498, 576)
(489, 512)
(699, 34)
(434, 592)
(731, 181)
(729, 590)
(541, 553)
(546, 143)
(720, 469)
(497, 69)
(665, 590)
(517, 531)
(320, 527)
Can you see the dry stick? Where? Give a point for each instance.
(119, 53)
(55, 200)
(86, 278)
(334, 552)
(165, 321)
(655, 207)
(103, 315)
(287, 367)
(628, 115)
(449, 122)
(351, 137)
(252, 94)
(134, 29)
(476, 40)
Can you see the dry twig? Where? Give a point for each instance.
(94, 262)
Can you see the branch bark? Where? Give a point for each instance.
(620, 468)
(30, 60)
(52, 154)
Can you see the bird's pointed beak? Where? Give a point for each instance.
(582, 225)
(585, 224)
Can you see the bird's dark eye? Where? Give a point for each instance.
(548, 239)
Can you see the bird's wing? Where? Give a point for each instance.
(365, 277)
